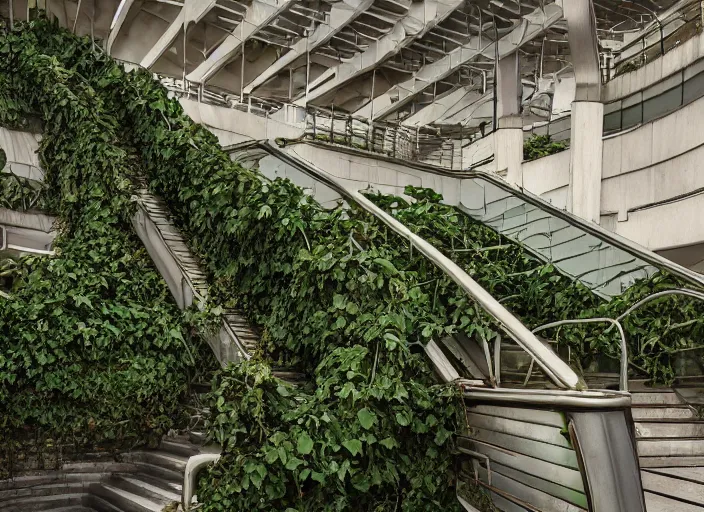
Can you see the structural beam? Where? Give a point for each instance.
(258, 16)
(508, 138)
(341, 14)
(586, 145)
(532, 26)
(422, 17)
(443, 105)
(119, 20)
(192, 12)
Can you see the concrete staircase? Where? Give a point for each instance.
(670, 437)
(138, 481)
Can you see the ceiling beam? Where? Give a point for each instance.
(341, 14)
(442, 105)
(120, 20)
(421, 18)
(192, 12)
(530, 27)
(259, 15)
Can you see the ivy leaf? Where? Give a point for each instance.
(305, 444)
(387, 265)
(354, 446)
(366, 418)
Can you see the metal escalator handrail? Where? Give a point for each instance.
(596, 230)
(623, 378)
(561, 374)
(677, 291)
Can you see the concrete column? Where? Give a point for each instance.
(586, 150)
(508, 139)
(586, 146)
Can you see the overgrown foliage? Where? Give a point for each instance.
(658, 334)
(93, 349)
(539, 146)
(334, 295)
(17, 193)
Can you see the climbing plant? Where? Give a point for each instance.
(538, 146)
(660, 335)
(93, 350)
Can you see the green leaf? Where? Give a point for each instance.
(366, 418)
(305, 444)
(354, 446)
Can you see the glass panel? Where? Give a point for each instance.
(632, 116)
(664, 103)
(600, 266)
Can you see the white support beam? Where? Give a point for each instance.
(443, 105)
(192, 12)
(341, 14)
(258, 16)
(119, 19)
(422, 17)
(587, 120)
(531, 27)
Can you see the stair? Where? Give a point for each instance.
(235, 323)
(670, 439)
(142, 481)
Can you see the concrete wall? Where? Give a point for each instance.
(232, 126)
(549, 177)
(658, 161)
(20, 146)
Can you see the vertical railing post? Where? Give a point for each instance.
(332, 123)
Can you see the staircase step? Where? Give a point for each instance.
(168, 461)
(670, 462)
(657, 503)
(167, 475)
(41, 503)
(670, 429)
(692, 474)
(656, 398)
(140, 486)
(178, 447)
(692, 395)
(667, 412)
(673, 487)
(668, 447)
(125, 500)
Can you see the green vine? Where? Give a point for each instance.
(92, 347)
(538, 146)
(659, 335)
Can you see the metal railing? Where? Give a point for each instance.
(662, 36)
(422, 144)
(22, 186)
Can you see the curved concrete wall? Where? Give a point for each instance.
(675, 60)
(232, 126)
(20, 146)
(658, 161)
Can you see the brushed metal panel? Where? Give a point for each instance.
(559, 474)
(542, 433)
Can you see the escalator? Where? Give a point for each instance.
(544, 433)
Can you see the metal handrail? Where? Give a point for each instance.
(623, 380)
(676, 291)
(561, 374)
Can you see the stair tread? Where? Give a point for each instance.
(167, 496)
(694, 473)
(135, 498)
(657, 503)
(673, 487)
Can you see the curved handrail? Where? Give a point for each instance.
(552, 365)
(194, 466)
(623, 384)
(591, 228)
(657, 295)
